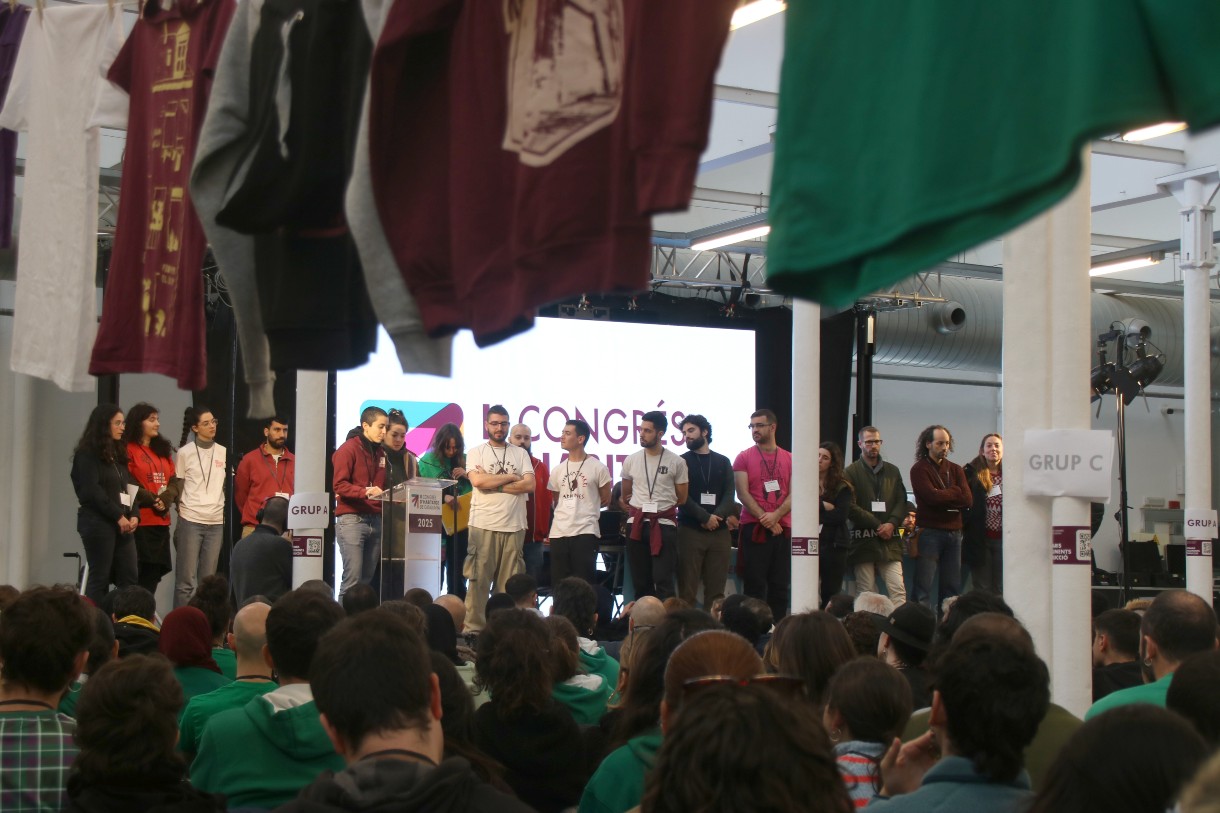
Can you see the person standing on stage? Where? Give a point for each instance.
(107, 517)
(150, 459)
(401, 466)
(941, 495)
(876, 515)
(538, 509)
(704, 539)
(446, 460)
(201, 508)
(581, 486)
(359, 476)
(655, 483)
(983, 523)
(764, 484)
(266, 472)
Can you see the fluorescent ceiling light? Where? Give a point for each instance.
(731, 238)
(1124, 265)
(1155, 131)
(755, 11)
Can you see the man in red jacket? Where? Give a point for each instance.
(359, 466)
(941, 495)
(266, 472)
(538, 512)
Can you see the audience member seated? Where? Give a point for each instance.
(103, 648)
(723, 743)
(584, 694)
(186, 639)
(1202, 795)
(410, 613)
(968, 605)
(134, 613)
(1132, 759)
(418, 596)
(44, 644)
(906, 637)
(458, 724)
(361, 598)
(1194, 694)
(1116, 645)
(126, 732)
(1138, 606)
(750, 618)
(249, 641)
(643, 613)
(575, 600)
(811, 646)
(991, 693)
(381, 707)
(499, 601)
(318, 586)
(618, 783)
(673, 604)
(868, 704)
(876, 603)
(839, 605)
(1176, 625)
(262, 562)
(212, 597)
(262, 754)
(862, 630)
(456, 607)
(523, 588)
(522, 727)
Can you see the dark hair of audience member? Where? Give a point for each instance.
(1122, 628)
(212, 596)
(519, 586)
(967, 605)
(409, 613)
(872, 699)
(294, 626)
(133, 600)
(101, 643)
(738, 617)
(441, 633)
(514, 663)
(565, 648)
(810, 645)
(457, 723)
(371, 674)
(498, 602)
(725, 738)
(995, 694)
(840, 605)
(1181, 624)
(1194, 694)
(127, 723)
(1131, 759)
(8, 594)
(863, 632)
(318, 586)
(673, 604)
(706, 654)
(41, 635)
(641, 705)
(360, 598)
(418, 596)
(574, 599)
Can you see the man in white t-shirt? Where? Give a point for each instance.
(654, 485)
(502, 475)
(580, 486)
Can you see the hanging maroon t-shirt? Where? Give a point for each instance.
(152, 315)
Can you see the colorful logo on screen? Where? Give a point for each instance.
(423, 418)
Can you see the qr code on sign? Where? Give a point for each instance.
(1084, 546)
(1207, 548)
(313, 547)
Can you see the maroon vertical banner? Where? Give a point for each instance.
(1071, 545)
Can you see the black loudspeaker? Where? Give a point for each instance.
(1144, 558)
(1175, 559)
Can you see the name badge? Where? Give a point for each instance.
(649, 508)
(125, 499)
(878, 505)
(770, 485)
(707, 499)
(283, 494)
(995, 491)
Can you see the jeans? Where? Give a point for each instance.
(703, 556)
(938, 551)
(198, 548)
(108, 553)
(359, 538)
(988, 574)
(768, 567)
(573, 556)
(891, 574)
(653, 575)
(455, 560)
(493, 557)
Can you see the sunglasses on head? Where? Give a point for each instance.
(788, 685)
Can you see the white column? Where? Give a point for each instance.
(806, 423)
(21, 459)
(1194, 190)
(310, 433)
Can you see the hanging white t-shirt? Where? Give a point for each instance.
(655, 478)
(203, 490)
(65, 53)
(578, 505)
(494, 510)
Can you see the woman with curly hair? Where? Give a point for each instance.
(107, 518)
(150, 459)
(836, 495)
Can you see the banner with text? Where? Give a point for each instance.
(309, 510)
(1069, 463)
(1200, 530)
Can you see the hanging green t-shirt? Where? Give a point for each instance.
(910, 130)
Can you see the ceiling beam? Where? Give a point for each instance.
(1139, 152)
(746, 96)
(732, 158)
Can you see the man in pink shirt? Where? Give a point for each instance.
(763, 475)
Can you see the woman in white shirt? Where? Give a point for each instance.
(201, 508)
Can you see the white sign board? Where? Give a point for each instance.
(309, 510)
(1069, 463)
(1200, 524)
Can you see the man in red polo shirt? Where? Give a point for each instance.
(538, 512)
(265, 472)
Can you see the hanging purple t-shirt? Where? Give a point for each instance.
(12, 26)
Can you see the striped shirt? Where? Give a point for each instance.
(36, 750)
(859, 764)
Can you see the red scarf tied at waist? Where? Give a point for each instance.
(654, 535)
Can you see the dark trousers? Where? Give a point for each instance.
(108, 552)
(987, 569)
(573, 556)
(152, 554)
(455, 557)
(832, 564)
(768, 568)
(654, 575)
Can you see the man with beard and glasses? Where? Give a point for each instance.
(502, 475)
(265, 472)
(706, 518)
(580, 486)
(764, 481)
(876, 515)
(941, 495)
(655, 483)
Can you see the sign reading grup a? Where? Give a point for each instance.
(1200, 529)
(1069, 463)
(309, 510)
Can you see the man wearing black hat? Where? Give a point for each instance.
(906, 636)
